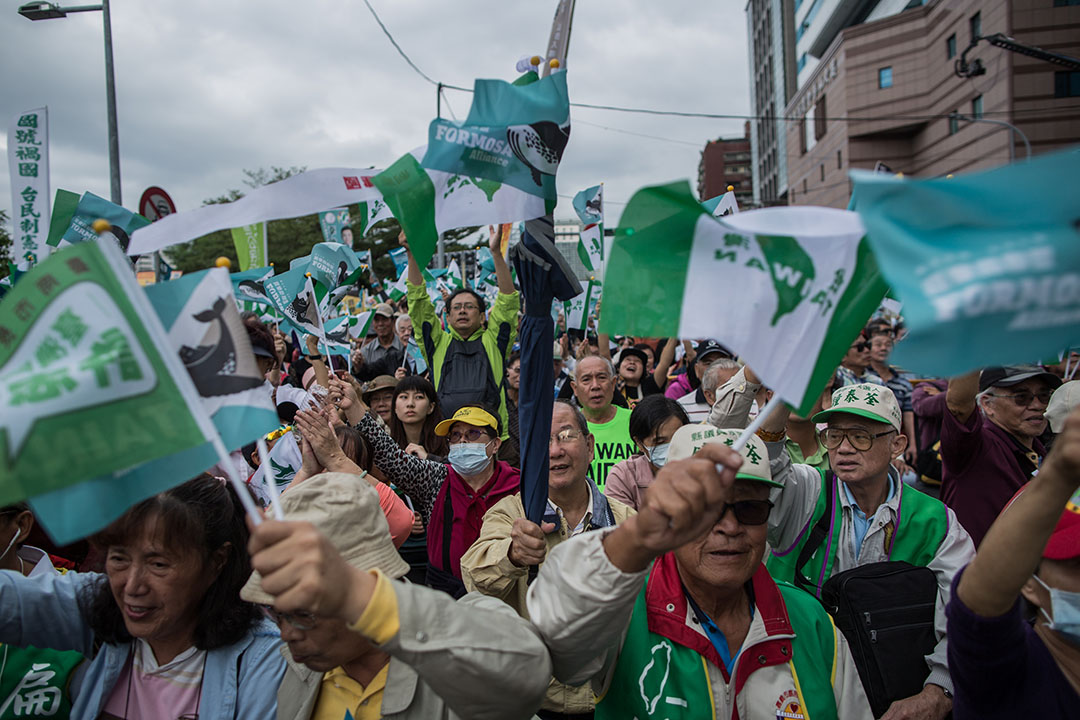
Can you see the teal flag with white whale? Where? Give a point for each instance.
(96, 410)
(497, 167)
(787, 288)
(589, 205)
(204, 326)
(248, 285)
(986, 264)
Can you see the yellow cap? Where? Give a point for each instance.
(472, 416)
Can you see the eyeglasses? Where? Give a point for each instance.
(861, 347)
(861, 440)
(471, 435)
(1024, 398)
(464, 306)
(564, 436)
(301, 620)
(748, 512)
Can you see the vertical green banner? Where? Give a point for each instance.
(250, 241)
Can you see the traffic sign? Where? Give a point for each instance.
(155, 204)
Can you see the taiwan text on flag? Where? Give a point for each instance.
(91, 208)
(787, 288)
(250, 242)
(497, 167)
(97, 410)
(204, 327)
(987, 265)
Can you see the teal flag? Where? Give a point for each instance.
(205, 329)
(96, 410)
(589, 205)
(334, 265)
(497, 167)
(91, 208)
(248, 285)
(332, 222)
(987, 265)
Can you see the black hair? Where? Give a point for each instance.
(514, 356)
(286, 412)
(14, 508)
(260, 337)
(479, 299)
(428, 439)
(203, 515)
(652, 412)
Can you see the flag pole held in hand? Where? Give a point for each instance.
(268, 480)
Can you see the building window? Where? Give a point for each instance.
(954, 122)
(804, 186)
(884, 77)
(975, 23)
(802, 137)
(819, 119)
(822, 166)
(976, 107)
(809, 126)
(1066, 84)
(839, 162)
(950, 47)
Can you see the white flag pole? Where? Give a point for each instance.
(271, 486)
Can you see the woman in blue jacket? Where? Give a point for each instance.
(164, 629)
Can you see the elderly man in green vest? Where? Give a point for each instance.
(863, 437)
(468, 358)
(672, 614)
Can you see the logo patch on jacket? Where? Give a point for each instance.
(788, 706)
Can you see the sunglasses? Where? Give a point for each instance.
(861, 347)
(472, 435)
(861, 440)
(301, 620)
(1024, 398)
(748, 512)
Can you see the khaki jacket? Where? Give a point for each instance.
(486, 568)
(440, 643)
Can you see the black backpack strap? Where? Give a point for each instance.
(817, 534)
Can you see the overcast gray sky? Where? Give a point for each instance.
(207, 88)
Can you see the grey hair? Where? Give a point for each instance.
(981, 398)
(608, 363)
(579, 417)
(711, 381)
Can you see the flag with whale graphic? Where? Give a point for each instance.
(204, 326)
(497, 167)
(293, 295)
(248, 284)
(787, 288)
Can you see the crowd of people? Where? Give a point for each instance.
(908, 549)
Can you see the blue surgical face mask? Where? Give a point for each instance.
(1066, 612)
(658, 455)
(469, 458)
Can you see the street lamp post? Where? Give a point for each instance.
(1013, 130)
(51, 11)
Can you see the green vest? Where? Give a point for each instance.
(657, 677)
(34, 682)
(921, 527)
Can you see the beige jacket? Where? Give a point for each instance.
(486, 568)
(467, 659)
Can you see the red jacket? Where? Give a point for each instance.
(468, 510)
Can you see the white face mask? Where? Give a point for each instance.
(1066, 612)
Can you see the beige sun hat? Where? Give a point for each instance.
(346, 510)
(1064, 399)
(688, 439)
(874, 402)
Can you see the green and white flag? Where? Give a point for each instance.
(204, 326)
(90, 208)
(97, 411)
(497, 167)
(453, 276)
(371, 212)
(282, 463)
(579, 307)
(787, 288)
(398, 289)
(722, 205)
(250, 242)
(292, 294)
(591, 247)
(360, 324)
